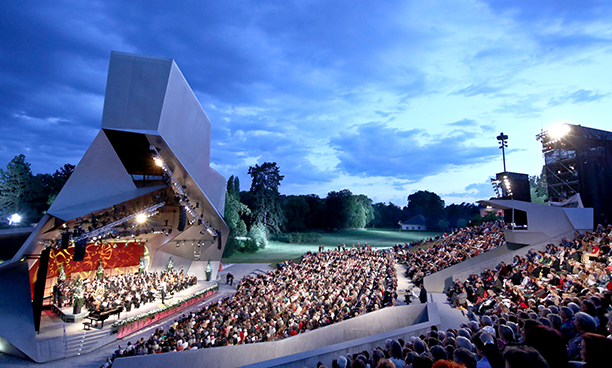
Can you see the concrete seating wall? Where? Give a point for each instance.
(324, 344)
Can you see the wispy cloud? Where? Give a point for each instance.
(578, 97)
(374, 149)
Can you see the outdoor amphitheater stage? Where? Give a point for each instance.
(59, 339)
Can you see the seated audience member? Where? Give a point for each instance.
(595, 350)
(550, 344)
(522, 356)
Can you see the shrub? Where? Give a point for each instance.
(250, 246)
(259, 234)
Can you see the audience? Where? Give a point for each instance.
(546, 309)
(324, 288)
(462, 244)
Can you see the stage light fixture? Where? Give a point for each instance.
(179, 191)
(141, 218)
(14, 219)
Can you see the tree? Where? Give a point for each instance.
(267, 208)
(459, 215)
(18, 189)
(317, 211)
(539, 188)
(259, 233)
(54, 183)
(345, 210)
(387, 215)
(361, 211)
(337, 209)
(26, 194)
(428, 204)
(297, 213)
(234, 210)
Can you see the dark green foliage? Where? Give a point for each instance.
(489, 217)
(337, 209)
(27, 194)
(298, 237)
(388, 215)
(429, 205)
(539, 188)
(297, 213)
(250, 246)
(347, 211)
(234, 210)
(458, 215)
(317, 211)
(259, 233)
(266, 207)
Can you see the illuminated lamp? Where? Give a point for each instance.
(158, 162)
(558, 131)
(141, 218)
(14, 219)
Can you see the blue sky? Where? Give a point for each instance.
(383, 99)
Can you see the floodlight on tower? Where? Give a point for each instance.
(558, 131)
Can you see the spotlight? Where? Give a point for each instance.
(141, 218)
(558, 131)
(158, 162)
(14, 219)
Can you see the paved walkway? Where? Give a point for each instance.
(449, 317)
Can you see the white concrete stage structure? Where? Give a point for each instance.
(151, 157)
(535, 223)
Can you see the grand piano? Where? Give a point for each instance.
(101, 316)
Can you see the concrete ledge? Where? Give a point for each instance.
(325, 344)
(464, 273)
(440, 281)
(369, 343)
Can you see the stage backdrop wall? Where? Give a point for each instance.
(112, 255)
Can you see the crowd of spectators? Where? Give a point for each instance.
(460, 245)
(324, 288)
(550, 308)
(545, 310)
(125, 290)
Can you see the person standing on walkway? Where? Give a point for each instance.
(423, 294)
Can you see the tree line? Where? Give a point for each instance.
(256, 215)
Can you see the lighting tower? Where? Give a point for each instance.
(578, 166)
(503, 143)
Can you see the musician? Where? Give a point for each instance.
(163, 291)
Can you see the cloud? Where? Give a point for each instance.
(474, 191)
(578, 97)
(524, 106)
(464, 123)
(475, 90)
(334, 92)
(374, 149)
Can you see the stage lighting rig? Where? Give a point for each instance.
(179, 191)
(107, 229)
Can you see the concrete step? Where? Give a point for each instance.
(85, 342)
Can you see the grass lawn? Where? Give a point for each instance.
(277, 252)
